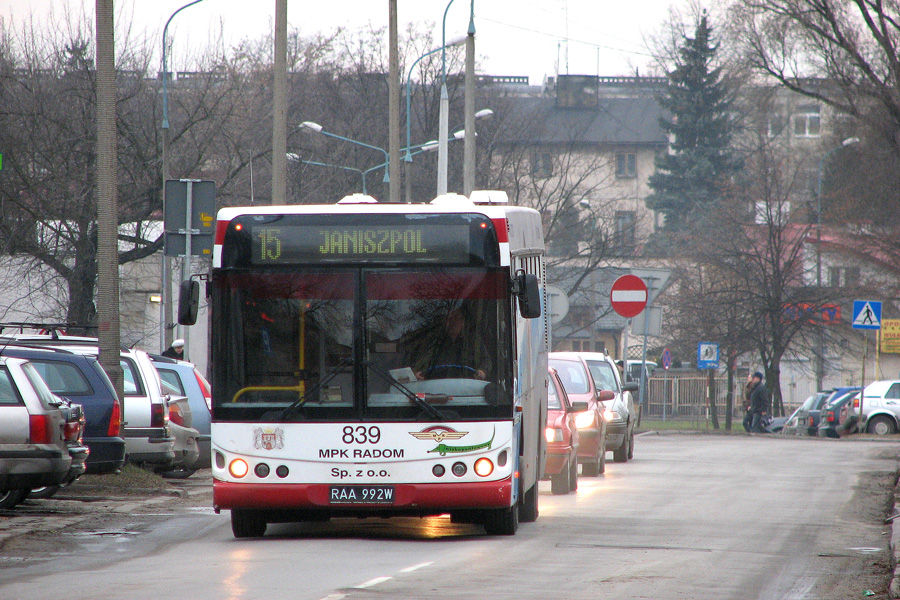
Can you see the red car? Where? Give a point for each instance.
(579, 386)
(562, 437)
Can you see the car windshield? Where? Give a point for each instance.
(572, 374)
(362, 343)
(604, 377)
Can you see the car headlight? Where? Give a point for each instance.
(585, 420)
(611, 415)
(552, 434)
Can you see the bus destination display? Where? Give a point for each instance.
(281, 243)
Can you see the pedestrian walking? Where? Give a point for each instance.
(748, 416)
(176, 350)
(759, 403)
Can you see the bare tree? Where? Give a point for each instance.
(844, 54)
(47, 197)
(755, 249)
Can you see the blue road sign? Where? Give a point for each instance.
(866, 314)
(707, 355)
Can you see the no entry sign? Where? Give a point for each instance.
(628, 295)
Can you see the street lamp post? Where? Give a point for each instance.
(456, 42)
(820, 350)
(429, 146)
(315, 127)
(165, 307)
(444, 113)
(469, 106)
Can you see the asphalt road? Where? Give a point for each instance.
(692, 517)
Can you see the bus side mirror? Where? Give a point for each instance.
(529, 295)
(188, 302)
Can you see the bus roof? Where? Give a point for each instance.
(519, 229)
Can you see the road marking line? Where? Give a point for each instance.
(335, 597)
(416, 567)
(372, 582)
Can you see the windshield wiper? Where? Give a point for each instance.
(428, 408)
(331, 374)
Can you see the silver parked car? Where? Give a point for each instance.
(33, 448)
(620, 413)
(186, 380)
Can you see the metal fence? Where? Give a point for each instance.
(685, 398)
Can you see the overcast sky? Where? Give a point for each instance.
(513, 37)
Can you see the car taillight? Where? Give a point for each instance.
(73, 431)
(175, 415)
(115, 420)
(39, 429)
(812, 422)
(829, 416)
(856, 402)
(159, 416)
(204, 387)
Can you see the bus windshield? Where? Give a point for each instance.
(353, 343)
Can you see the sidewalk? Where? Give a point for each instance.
(91, 498)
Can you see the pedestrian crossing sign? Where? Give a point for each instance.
(866, 314)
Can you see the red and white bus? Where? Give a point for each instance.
(378, 360)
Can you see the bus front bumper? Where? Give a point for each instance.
(409, 498)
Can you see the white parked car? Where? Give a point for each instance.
(881, 407)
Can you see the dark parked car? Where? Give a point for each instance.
(78, 452)
(82, 380)
(836, 411)
(805, 420)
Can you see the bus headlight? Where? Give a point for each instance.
(585, 420)
(484, 467)
(238, 468)
(552, 434)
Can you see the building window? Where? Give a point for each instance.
(807, 122)
(542, 164)
(843, 276)
(626, 165)
(625, 228)
(774, 125)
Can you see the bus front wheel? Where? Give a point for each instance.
(502, 521)
(247, 523)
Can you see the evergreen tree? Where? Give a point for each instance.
(691, 175)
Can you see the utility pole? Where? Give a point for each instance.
(279, 106)
(107, 218)
(393, 105)
(469, 101)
